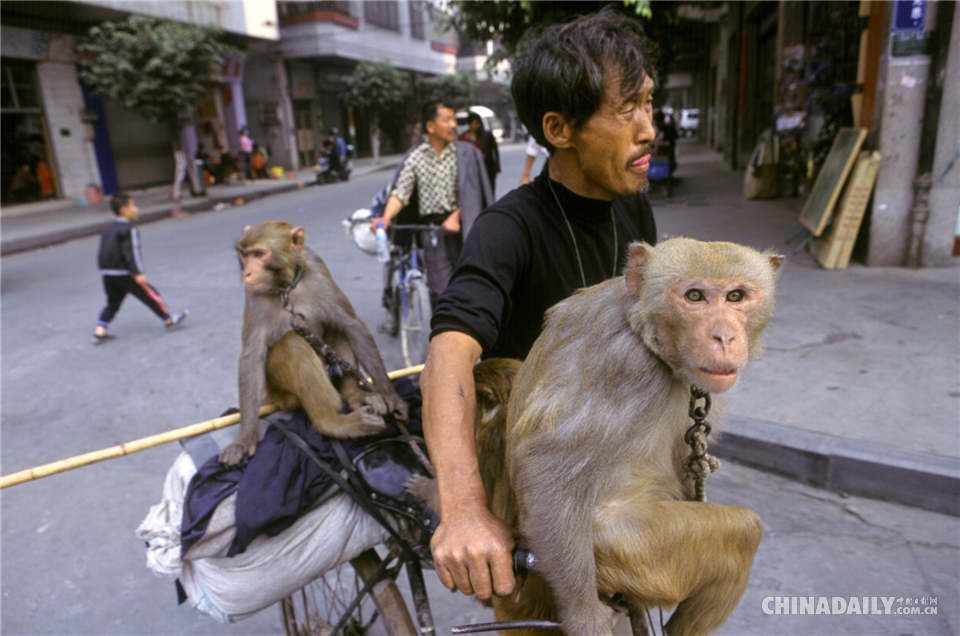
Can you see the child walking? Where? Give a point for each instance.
(122, 269)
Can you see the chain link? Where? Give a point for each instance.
(699, 464)
(338, 366)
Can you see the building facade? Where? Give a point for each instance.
(293, 86)
(803, 70)
(59, 140)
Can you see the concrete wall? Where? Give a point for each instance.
(902, 104)
(269, 111)
(70, 138)
(368, 43)
(945, 193)
(254, 18)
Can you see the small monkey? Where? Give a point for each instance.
(594, 449)
(278, 365)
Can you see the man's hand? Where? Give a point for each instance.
(473, 553)
(379, 219)
(140, 279)
(452, 222)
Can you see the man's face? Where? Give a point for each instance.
(614, 145)
(443, 127)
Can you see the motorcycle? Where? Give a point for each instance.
(325, 174)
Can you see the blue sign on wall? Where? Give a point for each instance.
(909, 15)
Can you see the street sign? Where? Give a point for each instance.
(909, 15)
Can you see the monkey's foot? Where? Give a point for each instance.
(359, 423)
(233, 454)
(369, 402)
(424, 489)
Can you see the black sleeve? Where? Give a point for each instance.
(478, 296)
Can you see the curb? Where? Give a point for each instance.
(864, 468)
(54, 237)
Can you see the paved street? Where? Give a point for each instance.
(70, 560)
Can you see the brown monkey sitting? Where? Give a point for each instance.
(594, 440)
(279, 366)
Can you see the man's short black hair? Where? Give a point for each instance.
(119, 201)
(563, 68)
(429, 111)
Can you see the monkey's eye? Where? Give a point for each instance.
(694, 295)
(735, 296)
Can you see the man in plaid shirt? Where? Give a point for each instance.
(452, 188)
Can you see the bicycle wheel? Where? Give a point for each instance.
(315, 609)
(415, 323)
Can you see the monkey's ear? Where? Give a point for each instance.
(298, 237)
(637, 258)
(556, 129)
(776, 260)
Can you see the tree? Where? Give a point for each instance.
(506, 23)
(375, 89)
(155, 68)
(456, 89)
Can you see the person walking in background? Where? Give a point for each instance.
(375, 144)
(532, 151)
(484, 140)
(246, 149)
(121, 267)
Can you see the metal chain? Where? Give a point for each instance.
(338, 366)
(699, 463)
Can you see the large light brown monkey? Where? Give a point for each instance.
(273, 257)
(594, 440)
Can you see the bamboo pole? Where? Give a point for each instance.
(45, 470)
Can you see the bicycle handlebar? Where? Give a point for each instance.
(524, 561)
(427, 227)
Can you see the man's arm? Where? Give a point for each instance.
(390, 211)
(471, 547)
(527, 166)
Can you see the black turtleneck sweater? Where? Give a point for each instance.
(519, 260)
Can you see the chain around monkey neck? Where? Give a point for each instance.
(699, 463)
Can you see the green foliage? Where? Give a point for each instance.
(375, 88)
(506, 23)
(456, 89)
(156, 68)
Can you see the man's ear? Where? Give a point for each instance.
(557, 130)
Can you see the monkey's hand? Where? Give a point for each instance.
(371, 402)
(397, 406)
(233, 454)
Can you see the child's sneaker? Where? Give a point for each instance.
(177, 320)
(97, 339)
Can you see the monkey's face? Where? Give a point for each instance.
(701, 307)
(255, 268)
(269, 254)
(710, 329)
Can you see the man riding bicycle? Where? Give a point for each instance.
(584, 90)
(451, 186)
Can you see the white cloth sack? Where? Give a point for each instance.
(232, 588)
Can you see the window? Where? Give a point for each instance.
(417, 10)
(296, 8)
(19, 81)
(381, 13)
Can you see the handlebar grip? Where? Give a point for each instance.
(523, 561)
